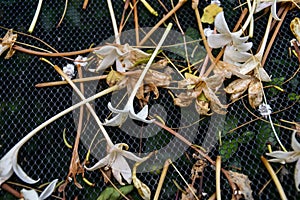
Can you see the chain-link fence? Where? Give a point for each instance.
(240, 137)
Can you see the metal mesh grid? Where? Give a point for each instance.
(45, 156)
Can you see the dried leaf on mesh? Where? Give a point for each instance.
(184, 99)
(243, 183)
(7, 43)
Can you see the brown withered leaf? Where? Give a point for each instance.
(7, 43)
(152, 81)
(255, 93)
(185, 99)
(243, 183)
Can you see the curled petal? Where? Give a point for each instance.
(221, 24)
(263, 75)
(114, 110)
(141, 116)
(19, 171)
(48, 190)
(295, 143)
(132, 156)
(101, 163)
(117, 120)
(283, 156)
(6, 169)
(244, 46)
(236, 39)
(232, 56)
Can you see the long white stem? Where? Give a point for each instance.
(36, 15)
(52, 119)
(88, 105)
(113, 20)
(142, 76)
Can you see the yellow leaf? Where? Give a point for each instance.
(210, 12)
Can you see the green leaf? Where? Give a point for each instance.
(246, 137)
(228, 148)
(293, 97)
(111, 193)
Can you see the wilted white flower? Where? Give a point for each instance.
(225, 37)
(117, 162)
(80, 61)
(9, 165)
(69, 71)
(125, 57)
(289, 157)
(122, 115)
(33, 195)
(265, 109)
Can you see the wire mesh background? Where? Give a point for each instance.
(45, 156)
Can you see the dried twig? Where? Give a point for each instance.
(167, 16)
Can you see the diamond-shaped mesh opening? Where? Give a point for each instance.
(46, 156)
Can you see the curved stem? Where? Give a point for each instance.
(36, 15)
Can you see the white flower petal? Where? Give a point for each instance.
(297, 175)
(120, 166)
(244, 46)
(236, 39)
(218, 40)
(249, 65)
(283, 156)
(295, 143)
(107, 61)
(114, 110)
(263, 75)
(140, 116)
(22, 175)
(131, 156)
(101, 163)
(233, 56)
(29, 194)
(48, 190)
(117, 120)
(221, 24)
(6, 169)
